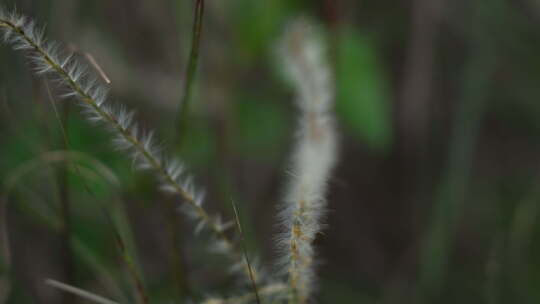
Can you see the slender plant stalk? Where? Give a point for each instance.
(25, 36)
(244, 250)
(63, 184)
(65, 207)
(191, 70)
(126, 257)
(79, 292)
(181, 130)
(5, 255)
(175, 252)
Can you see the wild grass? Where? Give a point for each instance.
(69, 72)
(183, 109)
(313, 158)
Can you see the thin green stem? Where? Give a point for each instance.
(79, 292)
(175, 253)
(182, 118)
(65, 203)
(191, 70)
(244, 249)
(126, 257)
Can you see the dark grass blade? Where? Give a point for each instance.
(244, 250)
(191, 71)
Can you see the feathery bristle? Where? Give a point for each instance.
(75, 77)
(313, 158)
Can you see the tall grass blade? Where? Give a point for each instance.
(79, 292)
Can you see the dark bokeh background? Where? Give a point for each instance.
(435, 199)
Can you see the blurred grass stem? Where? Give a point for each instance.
(453, 188)
(79, 292)
(128, 260)
(183, 111)
(244, 250)
(182, 117)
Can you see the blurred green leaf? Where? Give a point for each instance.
(262, 127)
(19, 146)
(363, 91)
(199, 146)
(96, 142)
(334, 291)
(258, 23)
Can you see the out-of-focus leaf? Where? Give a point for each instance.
(262, 127)
(334, 292)
(199, 146)
(19, 145)
(96, 142)
(363, 93)
(258, 23)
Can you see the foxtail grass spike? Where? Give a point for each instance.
(313, 158)
(76, 80)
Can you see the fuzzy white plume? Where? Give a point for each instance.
(314, 156)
